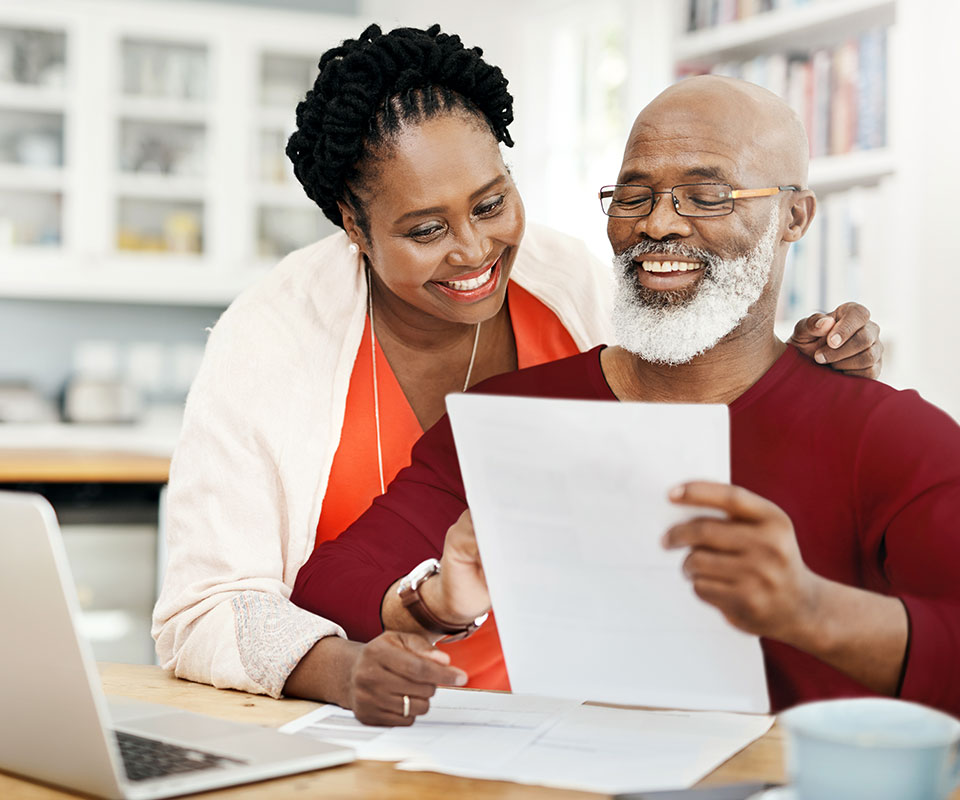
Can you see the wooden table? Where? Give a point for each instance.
(81, 466)
(762, 760)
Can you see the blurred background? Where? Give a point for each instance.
(143, 185)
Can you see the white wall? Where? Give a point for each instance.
(927, 273)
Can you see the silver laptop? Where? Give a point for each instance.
(56, 725)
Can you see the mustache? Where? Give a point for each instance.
(625, 259)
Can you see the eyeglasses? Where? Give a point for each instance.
(689, 199)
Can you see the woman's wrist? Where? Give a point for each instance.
(325, 672)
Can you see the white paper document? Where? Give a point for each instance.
(569, 502)
(552, 742)
(462, 727)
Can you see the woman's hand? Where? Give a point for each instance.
(846, 339)
(393, 666)
(372, 678)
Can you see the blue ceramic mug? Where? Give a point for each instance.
(871, 749)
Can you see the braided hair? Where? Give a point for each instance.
(369, 88)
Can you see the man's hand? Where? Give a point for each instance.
(391, 666)
(846, 339)
(459, 593)
(748, 565)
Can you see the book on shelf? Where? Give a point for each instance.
(703, 14)
(872, 89)
(839, 92)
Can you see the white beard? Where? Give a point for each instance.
(675, 333)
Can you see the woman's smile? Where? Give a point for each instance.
(473, 286)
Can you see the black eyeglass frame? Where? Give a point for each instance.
(734, 194)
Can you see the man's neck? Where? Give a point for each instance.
(720, 375)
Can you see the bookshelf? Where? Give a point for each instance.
(834, 61)
(787, 26)
(141, 147)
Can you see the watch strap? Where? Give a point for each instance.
(412, 600)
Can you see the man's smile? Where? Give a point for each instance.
(668, 273)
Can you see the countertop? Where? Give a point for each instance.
(64, 453)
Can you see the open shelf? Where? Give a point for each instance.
(791, 29)
(159, 187)
(162, 110)
(862, 168)
(149, 279)
(31, 98)
(35, 179)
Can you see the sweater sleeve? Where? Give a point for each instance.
(224, 616)
(345, 578)
(909, 478)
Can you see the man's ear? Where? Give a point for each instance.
(351, 227)
(802, 210)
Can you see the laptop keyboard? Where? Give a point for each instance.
(149, 758)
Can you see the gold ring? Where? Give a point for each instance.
(406, 705)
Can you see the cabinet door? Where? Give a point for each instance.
(33, 123)
(285, 219)
(162, 104)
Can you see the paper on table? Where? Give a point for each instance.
(546, 741)
(461, 727)
(569, 501)
(615, 750)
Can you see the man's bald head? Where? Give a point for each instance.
(755, 126)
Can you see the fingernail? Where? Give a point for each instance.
(820, 358)
(822, 322)
(835, 340)
(665, 541)
(676, 492)
(461, 679)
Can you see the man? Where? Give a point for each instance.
(840, 545)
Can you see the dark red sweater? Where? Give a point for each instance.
(870, 477)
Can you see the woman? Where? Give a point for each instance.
(317, 382)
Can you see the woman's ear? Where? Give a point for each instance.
(351, 227)
(802, 210)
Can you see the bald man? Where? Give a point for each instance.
(840, 541)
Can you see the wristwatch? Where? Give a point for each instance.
(409, 591)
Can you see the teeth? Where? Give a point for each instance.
(671, 266)
(473, 283)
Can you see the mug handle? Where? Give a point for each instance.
(956, 766)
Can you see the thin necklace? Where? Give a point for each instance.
(376, 388)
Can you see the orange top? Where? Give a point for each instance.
(354, 479)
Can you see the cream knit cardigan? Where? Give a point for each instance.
(261, 426)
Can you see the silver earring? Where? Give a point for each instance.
(354, 248)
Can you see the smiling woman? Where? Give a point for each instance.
(440, 254)
(317, 382)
